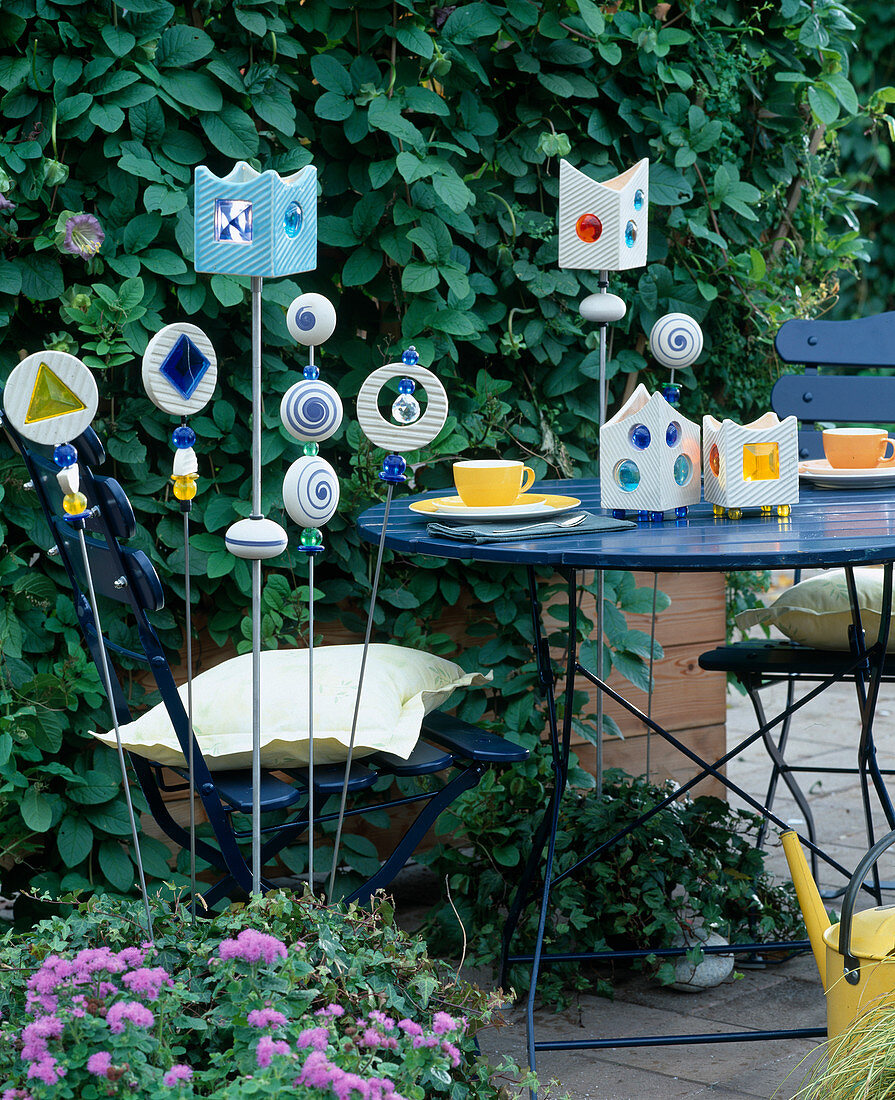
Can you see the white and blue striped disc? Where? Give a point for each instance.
(676, 340)
(311, 410)
(311, 491)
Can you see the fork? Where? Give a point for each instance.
(569, 521)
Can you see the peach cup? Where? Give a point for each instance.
(858, 448)
(491, 483)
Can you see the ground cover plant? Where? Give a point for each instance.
(437, 133)
(281, 998)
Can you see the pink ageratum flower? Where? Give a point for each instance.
(380, 1018)
(84, 236)
(132, 957)
(253, 946)
(442, 1023)
(315, 1037)
(452, 1052)
(16, 1094)
(99, 1063)
(266, 1017)
(267, 1048)
(147, 981)
(177, 1073)
(47, 1070)
(330, 1010)
(319, 1073)
(123, 1012)
(410, 1027)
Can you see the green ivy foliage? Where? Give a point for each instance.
(437, 133)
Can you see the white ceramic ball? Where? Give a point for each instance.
(602, 308)
(256, 538)
(311, 319)
(311, 491)
(311, 410)
(676, 340)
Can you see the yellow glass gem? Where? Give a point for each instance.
(761, 462)
(74, 503)
(51, 397)
(184, 486)
(783, 510)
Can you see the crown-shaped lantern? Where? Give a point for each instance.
(649, 458)
(603, 226)
(256, 223)
(751, 465)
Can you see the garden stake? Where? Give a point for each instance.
(107, 682)
(189, 707)
(256, 587)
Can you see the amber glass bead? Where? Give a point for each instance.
(184, 486)
(74, 503)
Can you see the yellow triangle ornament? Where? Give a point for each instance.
(51, 397)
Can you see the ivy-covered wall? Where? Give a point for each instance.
(437, 133)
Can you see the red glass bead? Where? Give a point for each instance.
(589, 228)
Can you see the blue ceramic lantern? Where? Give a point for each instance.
(256, 223)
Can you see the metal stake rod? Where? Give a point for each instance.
(189, 709)
(311, 722)
(360, 687)
(604, 287)
(107, 680)
(256, 587)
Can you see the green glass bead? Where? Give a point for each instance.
(311, 536)
(310, 449)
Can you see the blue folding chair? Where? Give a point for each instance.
(458, 751)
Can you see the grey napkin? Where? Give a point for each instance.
(514, 531)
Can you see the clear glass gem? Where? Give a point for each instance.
(627, 475)
(672, 433)
(683, 468)
(292, 220)
(405, 409)
(184, 366)
(74, 503)
(640, 437)
(630, 234)
(233, 221)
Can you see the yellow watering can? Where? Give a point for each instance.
(856, 957)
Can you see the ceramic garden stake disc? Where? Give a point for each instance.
(50, 397)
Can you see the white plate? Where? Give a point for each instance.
(438, 508)
(820, 473)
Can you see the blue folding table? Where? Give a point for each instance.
(826, 529)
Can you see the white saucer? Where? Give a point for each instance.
(450, 508)
(820, 473)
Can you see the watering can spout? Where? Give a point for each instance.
(813, 912)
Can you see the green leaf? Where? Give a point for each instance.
(41, 277)
(196, 90)
(141, 231)
(417, 278)
(119, 41)
(470, 22)
(330, 75)
(253, 21)
(182, 45)
(162, 261)
(106, 118)
(385, 114)
(415, 40)
(10, 278)
(334, 107)
(668, 187)
(98, 788)
(159, 197)
(111, 818)
(37, 810)
(361, 266)
(453, 192)
(115, 864)
(823, 103)
(74, 840)
(73, 106)
(231, 131)
(227, 291)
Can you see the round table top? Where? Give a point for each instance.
(828, 527)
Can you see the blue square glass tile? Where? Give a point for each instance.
(184, 367)
(233, 220)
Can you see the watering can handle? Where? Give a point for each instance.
(852, 965)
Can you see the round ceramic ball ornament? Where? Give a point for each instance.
(311, 491)
(256, 538)
(311, 410)
(676, 340)
(311, 319)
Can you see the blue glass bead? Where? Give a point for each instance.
(292, 220)
(618, 513)
(393, 467)
(630, 234)
(406, 385)
(311, 371)
(643, 517)
(671, 391)
(627, 475)
(183, 437)
(681, 513)
(672, 433)
(411, 356)
(683, 468)
(656, 517)
(65, 455)
(640, 436)
(638, 199)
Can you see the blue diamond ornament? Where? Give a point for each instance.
(184, 367)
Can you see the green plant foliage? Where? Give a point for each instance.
(437, 133)
(281, 997)
(695, 863)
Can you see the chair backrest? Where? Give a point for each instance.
(815, 397)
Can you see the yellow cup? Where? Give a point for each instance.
(491, 482)
(858, 448)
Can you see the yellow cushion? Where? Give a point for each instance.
(817, 612)
(400, 687)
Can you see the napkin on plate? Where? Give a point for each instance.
(514, 531)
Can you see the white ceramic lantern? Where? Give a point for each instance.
(751, 465)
